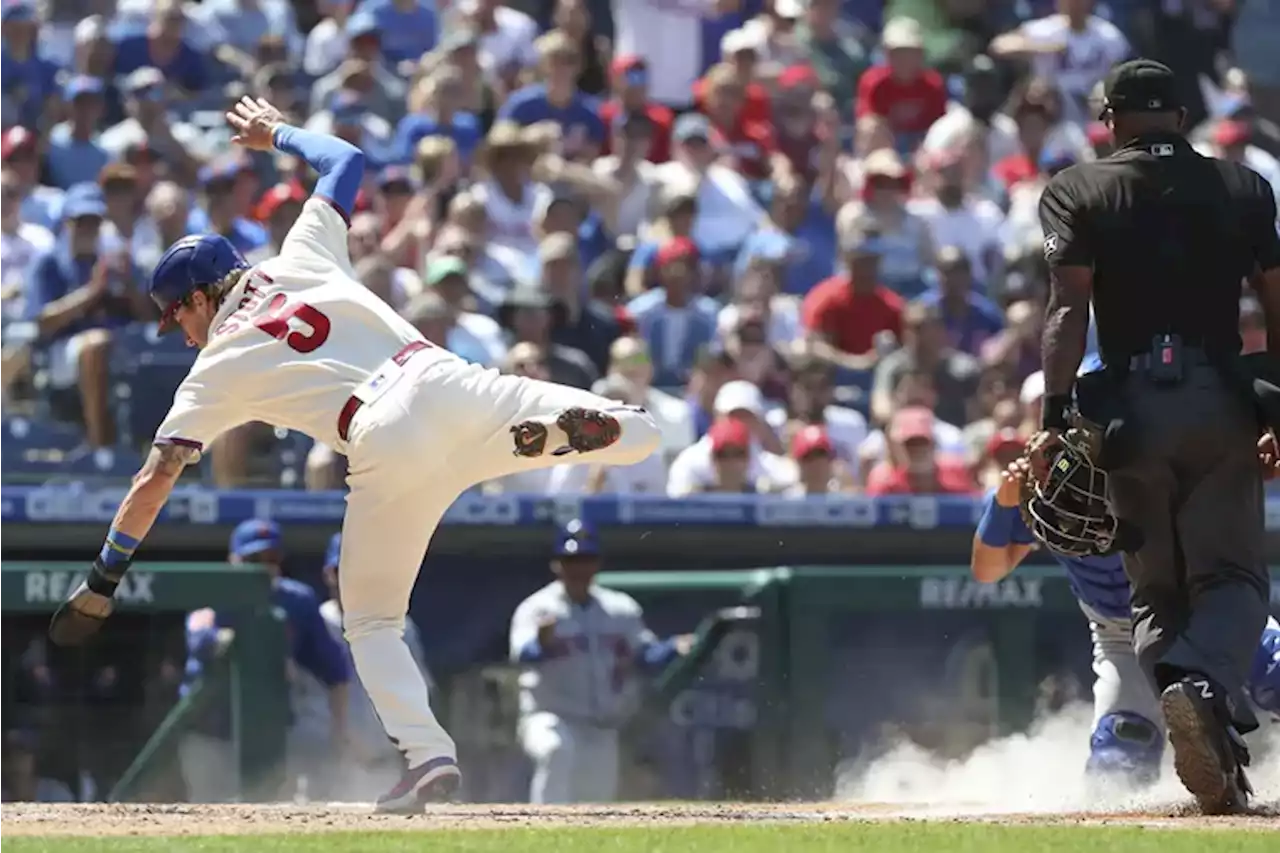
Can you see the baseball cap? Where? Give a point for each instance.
(444, 266)
(347, 107)
(1140, 86)
(739, 396)
(84, 199)
(576, 539)
(691, 126)
(902, 32)
(1229, 132)
(811, 439)
(82, 84)
(392, 175)
(630, 69)
(736, 41)
(192, 261)
(913, 422)
(676, 249)
(729, 434)
(798, 76)
(17, 140)
(1006, 438)
(254, 536)
(334, 550)
(277, 197)
(19, 10)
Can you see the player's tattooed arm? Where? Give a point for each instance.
(151, 488)
(1066, 327)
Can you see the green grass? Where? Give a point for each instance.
(830, 838)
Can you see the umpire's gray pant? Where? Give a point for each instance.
(1200, 587)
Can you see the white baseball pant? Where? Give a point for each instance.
(1119, 683)
(572, 762)
(442, 428)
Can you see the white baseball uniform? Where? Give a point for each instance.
(294, 341)
(572, 704)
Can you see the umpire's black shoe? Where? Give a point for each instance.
(1208, 754)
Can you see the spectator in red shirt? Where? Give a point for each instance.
(796, 125)
(747, 145)
(845, 314)
(629, 77)
(914, 466)
(904, 91)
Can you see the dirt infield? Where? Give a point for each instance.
(179, 820)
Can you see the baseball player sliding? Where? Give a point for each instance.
(1127, 741)
(297, 342)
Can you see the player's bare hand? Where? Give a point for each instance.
(683, 644)
(1009, 494)
(547, 632)
(254, 121)
(1269, 456)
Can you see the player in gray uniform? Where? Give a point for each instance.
(581, 646)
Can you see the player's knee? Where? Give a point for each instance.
(356, 626)
(1126, 745)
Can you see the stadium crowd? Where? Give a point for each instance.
(803, 234)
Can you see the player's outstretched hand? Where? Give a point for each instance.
(254, 121)
(1009, 494)
(1269, 456)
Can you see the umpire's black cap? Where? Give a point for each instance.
(1140, 86)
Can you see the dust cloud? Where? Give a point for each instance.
(1040, 771)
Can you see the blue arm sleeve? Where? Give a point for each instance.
(1002, 526)
(657, 654)
(340, 164)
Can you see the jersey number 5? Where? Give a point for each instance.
(276, 324)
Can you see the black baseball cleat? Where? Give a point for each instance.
(1208, 755)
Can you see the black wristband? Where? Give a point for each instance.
(1054, 413)
(104, 581)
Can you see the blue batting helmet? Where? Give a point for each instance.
(1125, 745)
(576, 539)
(193, 261)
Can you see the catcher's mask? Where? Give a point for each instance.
(1069, 513)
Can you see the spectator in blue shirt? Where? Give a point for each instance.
(557, 98)
(229, 187)
(165, 46)
(970, 318)
(27, 77)
(40, 205)
(364, 71)
(436, 106)
(673, 322)
(318, 729)
(74, 154)
(76, 298)
(409, 27)
(809, 252)
(243, 23)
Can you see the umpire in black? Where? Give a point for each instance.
(1160, 239)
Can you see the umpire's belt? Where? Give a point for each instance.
(358, 399)
(1191, 357)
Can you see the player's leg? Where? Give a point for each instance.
(385, 534)
(549, 424)
(1127, 740)
(550, 745)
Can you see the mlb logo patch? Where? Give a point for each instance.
(1050, 244)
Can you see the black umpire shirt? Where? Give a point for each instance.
(1170, 235)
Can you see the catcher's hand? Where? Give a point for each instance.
(254, 121)
(84, 611)
(1012, 481)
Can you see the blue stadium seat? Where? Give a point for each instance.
(147, 369)
(36, 451)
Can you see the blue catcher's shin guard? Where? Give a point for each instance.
(1264, 675)
(1125, 747)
